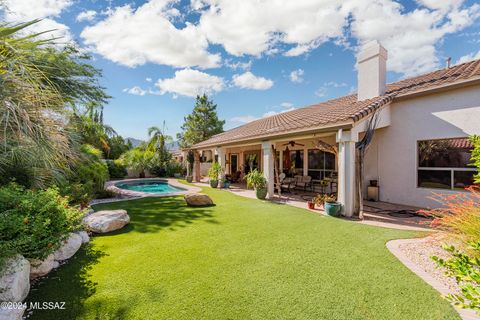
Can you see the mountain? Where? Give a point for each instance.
(134, 142)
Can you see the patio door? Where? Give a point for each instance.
(233, 163)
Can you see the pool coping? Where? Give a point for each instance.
(111, 185)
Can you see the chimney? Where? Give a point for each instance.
(372, 70)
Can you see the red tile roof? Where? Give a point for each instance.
(344, 109)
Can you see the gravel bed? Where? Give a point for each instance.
(420, 251)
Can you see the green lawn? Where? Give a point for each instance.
(242, 259)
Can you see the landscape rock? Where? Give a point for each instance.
(12, 314)
(107, 220)
(15, 280)
(198, 200)
(84, 236)
(39, 268)
(68, 248)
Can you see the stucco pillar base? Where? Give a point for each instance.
(268, 167)
(346, 171)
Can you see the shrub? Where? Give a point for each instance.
(459, 215)
(256, 179)
(466, 270)
(175, 167)
(215, 171)
(116, 169)
(476, 156)
(32, 223)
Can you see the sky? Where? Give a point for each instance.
(254, 58)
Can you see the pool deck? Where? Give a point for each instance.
(111, 185)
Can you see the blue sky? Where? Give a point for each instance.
(254, 58)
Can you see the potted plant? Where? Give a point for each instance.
(331, 206)
(319, 200)
(226, 183)
(311, 204)
(214, 173)
(256, 180)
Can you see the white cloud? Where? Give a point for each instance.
(243, 119)
(335, 84)
(238, 65)
(136, 91)
(188, 82)
(251, 27)
(86, 16)
(248, 80)
(254, 27)
(286, 105)
(148, 79)
(441, 4)
(135, 36)
(250, 118)
(410, 38)
(469, 57)
(25, 10)
(321, 92)
(20, 11)
(297, 75)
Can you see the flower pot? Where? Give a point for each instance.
(261, 193)
(332, 208)
(213, 183)
(189, 179)
(226, 184)
(310, 205)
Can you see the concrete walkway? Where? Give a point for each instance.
(375, 215)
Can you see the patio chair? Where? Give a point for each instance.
(303, 182)
(235, 177)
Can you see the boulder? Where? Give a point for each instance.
(68, 247)
(15, 280)
(198, 200)
(39, 268)
(107, 220)
(84, 236)
(12, 314)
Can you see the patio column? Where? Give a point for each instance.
(221, 161)
(268, 167)
(280, 162)
(196, 166)
(305, 161)
(346, 171)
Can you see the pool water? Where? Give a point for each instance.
(149, 187)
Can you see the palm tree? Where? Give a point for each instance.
(138, 159)
(35, 140)
(157, 143)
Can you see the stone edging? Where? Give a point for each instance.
(394, 247)
(110, 185)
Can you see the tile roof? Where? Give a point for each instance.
(344, 109)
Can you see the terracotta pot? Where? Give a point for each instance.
(310, 205)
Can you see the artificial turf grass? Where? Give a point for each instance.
(241, 259)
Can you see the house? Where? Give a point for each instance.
(419, 146)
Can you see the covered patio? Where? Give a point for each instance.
(321, 160)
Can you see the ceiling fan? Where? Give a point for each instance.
(293, 143)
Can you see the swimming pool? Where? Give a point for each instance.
(154, 187)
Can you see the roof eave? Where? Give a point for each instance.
(319, 129)
(440, 88)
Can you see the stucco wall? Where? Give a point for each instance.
(392, 157)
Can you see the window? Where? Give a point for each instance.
(320, 164)
(296, 158)
(445, 163)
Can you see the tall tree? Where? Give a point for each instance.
(39, 87)
(201, 124)
(157, 144)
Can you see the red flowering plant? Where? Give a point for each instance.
(459, 214)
